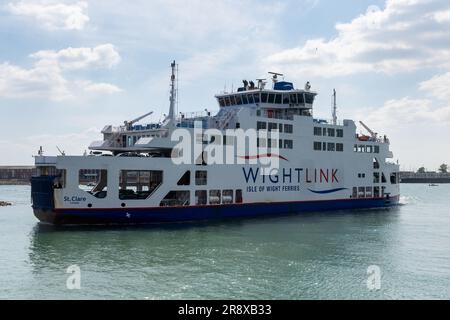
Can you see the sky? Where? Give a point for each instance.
(68, 68)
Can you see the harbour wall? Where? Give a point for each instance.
(425, 177)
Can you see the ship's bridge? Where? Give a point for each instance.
(283, 95)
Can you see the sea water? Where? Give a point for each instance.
(398, 253)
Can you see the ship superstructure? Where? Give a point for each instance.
(136, 173)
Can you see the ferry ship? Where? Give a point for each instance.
(262, 154)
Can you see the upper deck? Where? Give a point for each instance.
(283, 95)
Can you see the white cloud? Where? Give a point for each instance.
(37, 82)
(47, 78)
(442, 16)
(101, 87)
(437, 87)
(53, 15)
(102, 56)
(406, 113)
(406, 35)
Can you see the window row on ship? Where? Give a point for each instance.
(366, 149)
(273, 126)
(265, 97)
(328, 132)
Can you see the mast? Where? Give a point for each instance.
(334, 108)
(173, 97)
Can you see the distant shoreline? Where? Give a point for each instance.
(14, 182)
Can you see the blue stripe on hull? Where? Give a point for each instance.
(182, 214)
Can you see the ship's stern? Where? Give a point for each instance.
(42, 197)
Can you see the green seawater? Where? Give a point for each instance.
(305, 256)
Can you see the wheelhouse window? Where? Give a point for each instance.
(309, 98)
(250, 99)
(264, 97)
(278, 98)
(271, 98)
(293, 98)
(256, 97)
(238, 100)
(301, 98)
(285, 99)
(340, 133)
(222, 102)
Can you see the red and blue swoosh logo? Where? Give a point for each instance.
(328, 191)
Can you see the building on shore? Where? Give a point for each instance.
(23, 174)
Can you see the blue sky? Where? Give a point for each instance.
(67, 68)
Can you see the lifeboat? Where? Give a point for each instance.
(363, 138)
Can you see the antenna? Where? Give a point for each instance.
(170, 119)
(275, 76)
(177, 93)
(334, 108)
(261, 83)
